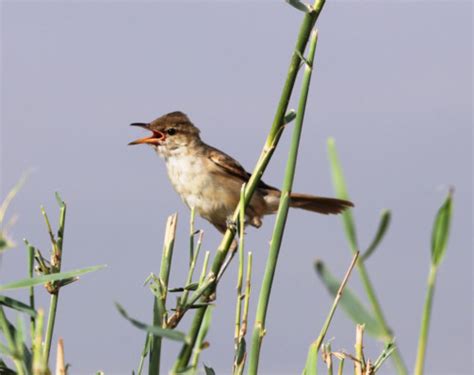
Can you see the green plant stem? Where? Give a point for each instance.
(271, 142)
(200, 338)
(191, 236)
(5, 327)
(204, 266)
(372, 297)
(53, 306)
(359, 350)
(312, 359)
(348, 221)
(192, 265)
(240, 354)
(186, 350)
(39, 362)
(145, 351)
(243, 329)
(386, 353)
(328, 358)
(240, 274)
(340, 369)
(56, 261)
(280, 222)
(425, 323)
(159, 309)
(31, 264)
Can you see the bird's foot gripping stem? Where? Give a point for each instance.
(231, 224)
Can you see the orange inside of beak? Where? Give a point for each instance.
(155, 139)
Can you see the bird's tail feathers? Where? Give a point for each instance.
(322, 205)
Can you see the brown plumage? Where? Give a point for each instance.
(210, 180)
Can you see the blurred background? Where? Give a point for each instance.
(393, 85)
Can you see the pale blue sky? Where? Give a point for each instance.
(393, 85)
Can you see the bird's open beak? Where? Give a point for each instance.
(155, 139)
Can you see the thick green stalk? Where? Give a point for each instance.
(159, 312)
(270, 269)
(420, 357)
(265, 156)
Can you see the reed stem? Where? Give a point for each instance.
(280, 222)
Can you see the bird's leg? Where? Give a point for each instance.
(231, 224)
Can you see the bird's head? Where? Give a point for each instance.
(170, 132)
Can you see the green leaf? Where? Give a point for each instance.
(13, 338)
(4, 244)
(299, 5)
(240, 352)
(350, 302)
(440, 233)
(341, 192)
(17, 305)
(289, 117)
(29, 282)
(387, 351)
(381, 230)
(4, 370)
(192, 286)
(155, 330)
(209, 370)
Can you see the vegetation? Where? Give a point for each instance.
(27, 350)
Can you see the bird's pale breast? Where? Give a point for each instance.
(192, 178)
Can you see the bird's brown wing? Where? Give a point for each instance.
(233, 167)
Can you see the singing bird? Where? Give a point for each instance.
(210, 180)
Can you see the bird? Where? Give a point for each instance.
(210, 181)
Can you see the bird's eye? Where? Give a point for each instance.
(171, 131)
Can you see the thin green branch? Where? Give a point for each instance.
(425, 323)
(192, 265)
(240, 274)
(56, 260)
(312, 359)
